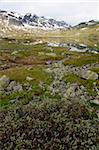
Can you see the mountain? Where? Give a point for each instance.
(14, 25)
(86, 24)
(30, 21)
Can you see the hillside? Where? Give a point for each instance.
(13, 25)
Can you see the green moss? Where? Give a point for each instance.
(19, 74)
(24, 97)
(95, 70)
(83, 60)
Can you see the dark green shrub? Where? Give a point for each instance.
(48, 126)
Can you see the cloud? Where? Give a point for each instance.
(10, 1)
(49, 1)
(72, 12)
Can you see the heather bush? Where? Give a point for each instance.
(48, 126)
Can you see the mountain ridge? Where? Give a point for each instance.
(14, 25)
(32, 21)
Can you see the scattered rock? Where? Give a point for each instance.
(70, 92)
(4, 81)
(27, 86)
(8, 87)
(14, 53)
(96, 101)
(48, 62)
(13, 101)
(18, 88)
(90, 75)
(50, 54)
(1, 90)
(11, 86)
(29, 78)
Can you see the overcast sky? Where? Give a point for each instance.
(72, 11)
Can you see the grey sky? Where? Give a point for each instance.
(72, 11)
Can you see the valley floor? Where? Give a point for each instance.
(49, 97)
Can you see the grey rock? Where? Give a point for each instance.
(89, 75)
(13, 101)
(18, 88)
(48, 62)
(1, 89)
(29, 78)
(11, 86)
(26, 86)
(96, 101)
(14, 52)
(71, 91)
(4, 81)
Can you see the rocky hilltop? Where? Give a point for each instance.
(86, 24)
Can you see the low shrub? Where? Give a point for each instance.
(48, 126)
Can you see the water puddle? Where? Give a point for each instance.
(74, 47)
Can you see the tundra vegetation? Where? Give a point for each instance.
(49, 95)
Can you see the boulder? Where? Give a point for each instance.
(90, 75)
(14, 52)
(11, 86)
(29, 78)
(96, 101)
(4, 81)
(1, 90)
(18, 88)
(71, 91)
(13, 101)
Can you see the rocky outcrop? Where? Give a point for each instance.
(4, 81)
(59, 70)
(15, 87)
(7, 86)
(74, 90)
(89, 75)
